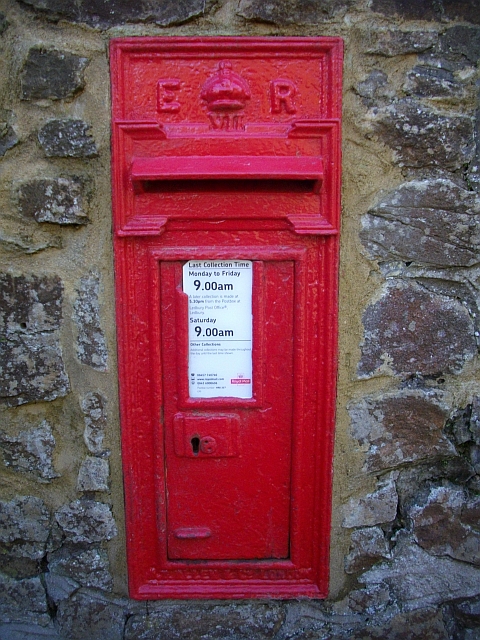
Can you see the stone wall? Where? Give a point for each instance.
(405, 532)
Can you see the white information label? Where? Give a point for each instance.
(219, 328)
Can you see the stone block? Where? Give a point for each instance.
(23, 600)
(19, 631)
(415, 625)
(446, 522)
(246, 621)
(30, 452)
(429, 82)
(21, 241)
(461, 43)
(393, 42)
(433, 222)
(367, 547)
(93, 475)
(418, 579)
(59, 587)
(31, 364)
(55, 200)
(412, 331)
(95, 417)
(284, 12)
(468, 611)
(51, 74)
(85, 567)
(400, 428)
(421, 137)
(24, 528)
(408, 9)
(473, 173)
(442, 10)
(4, 24)
(87, 610)
(104, 15)
(32, 369)
(31, 303)
(474, 457)
(67, 139)
(91, 346)
(464, 426)
(457, 290)
(8, 138)
(86, 521)
(375, 89)
(378, 507)
(475, 420)
(415, 481)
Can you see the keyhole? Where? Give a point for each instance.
(195, 445)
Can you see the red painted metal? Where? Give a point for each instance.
(227, 149)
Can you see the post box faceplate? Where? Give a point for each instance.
(226, 169)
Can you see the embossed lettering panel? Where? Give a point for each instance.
(185, 85)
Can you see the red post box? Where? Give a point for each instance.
(226, 186)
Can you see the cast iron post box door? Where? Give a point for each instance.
(226, 181)
(228, 472)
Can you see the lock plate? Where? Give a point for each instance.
(206, 436)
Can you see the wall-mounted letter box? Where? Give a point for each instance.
(226, 182)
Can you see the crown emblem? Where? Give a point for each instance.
(226, 90)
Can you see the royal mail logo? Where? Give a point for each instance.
(240, 380)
